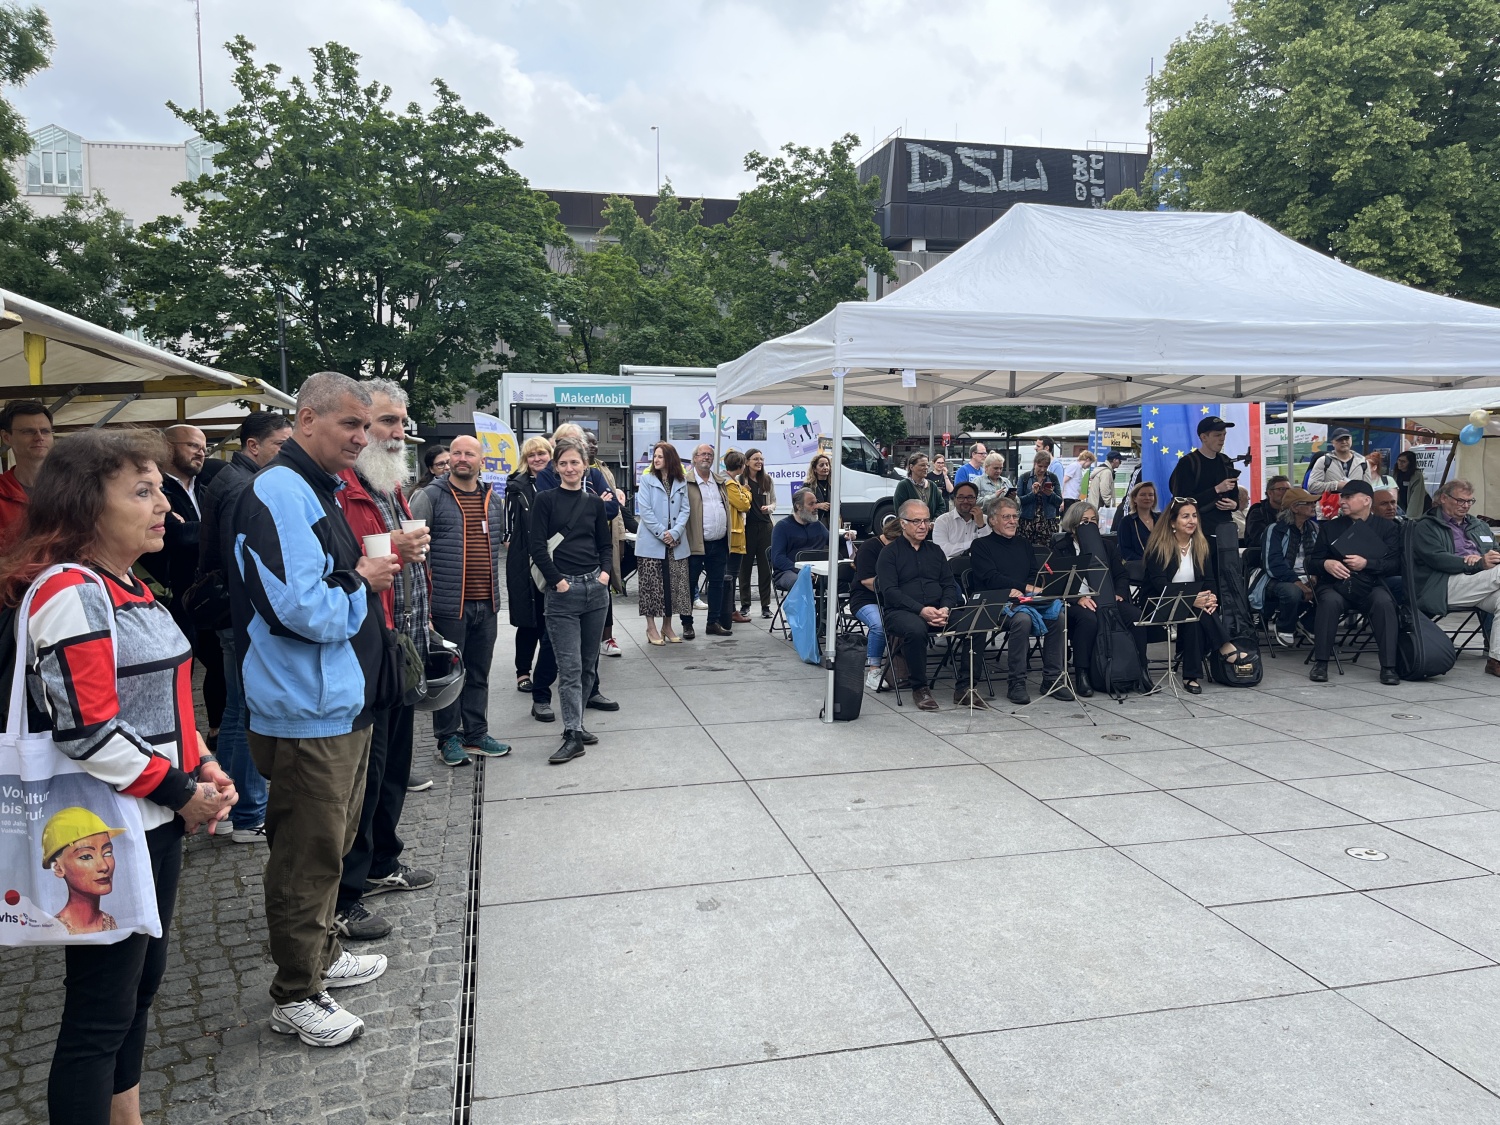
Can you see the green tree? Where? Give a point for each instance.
(74, 261)
(799, 242)
(885, 425)
(1367, 129)
(1005, 419)
(403, 244)
(25, 48)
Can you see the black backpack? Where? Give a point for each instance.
(848, 677)
(1422, 649)
(1234, 612)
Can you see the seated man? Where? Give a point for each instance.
(1258, 520)
(1456, 564)
(1351, 580)
(803, 532)
(1387, 509)
(956, 529)
(1289, 550)
(916, 587)
(1008, 563)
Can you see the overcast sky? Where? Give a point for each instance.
(581, 82)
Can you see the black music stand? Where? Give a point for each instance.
(973, 621)
(1171, 608)
(1064, 585)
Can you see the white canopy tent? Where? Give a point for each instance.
(1077, 428)
(1114, 308)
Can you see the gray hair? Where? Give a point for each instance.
(798, 500)
(994, 459)
(1448, 488)
(326, 391)
(994, 502)
(1074, 516)
(390, 388)
(908, 505)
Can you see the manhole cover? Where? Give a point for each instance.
(1404, 715)
(1369, 854)
(1115, 737)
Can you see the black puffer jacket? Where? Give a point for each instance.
(526, 603)
(445, 521)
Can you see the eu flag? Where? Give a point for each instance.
(1168, 433)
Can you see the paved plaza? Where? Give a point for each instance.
(729, 912)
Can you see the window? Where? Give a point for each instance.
(54, 166)
(200, 157)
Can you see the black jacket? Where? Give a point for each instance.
(525, 599)
(1360, 582)
(1066, 551)
(915, 580)
(1159, 575)
(1258, 520)
(1196, 476)
(1001, 563)
(216, 535)
(175, 566)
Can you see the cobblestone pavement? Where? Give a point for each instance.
(211, 1055)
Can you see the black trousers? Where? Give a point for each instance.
(758, 555)
(109, 990)
(1018, 644)
(377, 848)
(527, 641)
(1194, 639)
(911, 631)
(1374, 602)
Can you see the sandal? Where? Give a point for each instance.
(523, 684)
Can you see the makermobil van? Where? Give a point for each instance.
(632, 411)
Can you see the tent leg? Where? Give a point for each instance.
(835, 540)
(1291, 435)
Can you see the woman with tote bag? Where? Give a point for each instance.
(90, 627)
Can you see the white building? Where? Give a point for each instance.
(136, 178)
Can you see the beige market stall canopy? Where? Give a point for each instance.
(90, 375)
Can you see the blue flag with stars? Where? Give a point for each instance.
(1168, 434)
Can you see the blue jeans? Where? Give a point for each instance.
(875, 638)
(234, 747)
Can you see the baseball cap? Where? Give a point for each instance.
(1334, 435)
(1297, 496)
(1213, 422)
(1357, 487)
(1114, 455)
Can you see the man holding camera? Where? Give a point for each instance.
(1209, 477)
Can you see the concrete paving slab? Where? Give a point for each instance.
(1456, 1016)
(916, 1082)
(1480, 784)
(1140, 818)
(1405, 716)
(913, 816)
(1012, 746)
(1225, 730)
(1409, 861)
(1123, 737)
(1349, 939)
(640, 708)
(1474, 837)
(1466, 910)
(1484, 706)
(788, 699)
(1070, 777)
(1400, 751)
(1309, 722)
(1184, 769)
(1272, 806)
(1231, 869)
(598, 843)
(795, 748)
(599, 989)
(1384, 796)
(1288, 760)
(994, 943)
(1462, 739)
(627, 759)
(958, 720)
(1293, 1059)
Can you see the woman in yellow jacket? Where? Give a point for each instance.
(739, 503)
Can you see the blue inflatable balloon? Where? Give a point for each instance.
(1471, 434)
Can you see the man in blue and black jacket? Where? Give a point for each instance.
(310, 633)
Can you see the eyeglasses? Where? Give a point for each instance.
(918, 523)
(1184, 500)
(1461, 500)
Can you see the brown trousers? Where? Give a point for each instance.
(312, 815)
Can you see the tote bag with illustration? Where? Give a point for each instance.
(74, 869)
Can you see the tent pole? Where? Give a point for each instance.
(835, 539)
(1291, 435)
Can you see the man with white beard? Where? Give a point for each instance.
(373, 504)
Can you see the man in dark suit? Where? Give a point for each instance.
(916, 587)
(1354, 552)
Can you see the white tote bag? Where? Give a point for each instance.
(74, 868)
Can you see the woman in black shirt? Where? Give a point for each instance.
(862, 598)
(817, 481)
(571, 548)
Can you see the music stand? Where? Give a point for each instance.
(1064, 586)
(973, 619)
(1169, 609)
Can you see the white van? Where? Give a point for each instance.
(630, 413)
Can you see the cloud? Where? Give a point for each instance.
(581, 82)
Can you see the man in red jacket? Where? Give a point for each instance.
(27, 429)
(373, 505)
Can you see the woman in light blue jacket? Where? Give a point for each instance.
(661, 505)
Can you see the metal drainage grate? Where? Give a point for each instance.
(463, 1068)
(1115, 737)
(1404, 715)
(1367, 854)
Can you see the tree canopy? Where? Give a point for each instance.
(74, 261)
(1367, 129)
(25, 48)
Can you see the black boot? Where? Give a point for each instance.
(1319, 673)
(1017, 694)
(572, 747)
(1081, 684)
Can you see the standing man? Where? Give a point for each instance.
(27, 429)
(1102, 483)
(1350, 577)
(307, 611)
(262, 435)
(1209, 477)
(373, 505)
(708, 539)
(974, 466)
(1330, 471)
(465, 518)
(1076, 479)
(1456, 562)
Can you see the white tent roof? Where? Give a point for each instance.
(1064, 305)
(1072, 428)
(1444, 412)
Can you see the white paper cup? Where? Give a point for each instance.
(412, 525)
(378, 546)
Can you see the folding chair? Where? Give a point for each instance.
(1475, 623)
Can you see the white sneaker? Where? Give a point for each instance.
(223, 827)
(611, 647)
(318, 1022)
(1286, 640)
(872, 678)
(351, 969)
(256, 835)
(700, 604)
